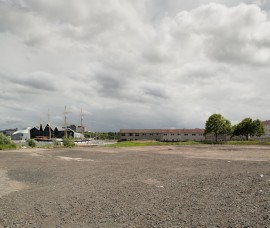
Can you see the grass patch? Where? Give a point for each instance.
(8, 147)
(6, 143)
(251, 142)
(187, 143)
(150, 143)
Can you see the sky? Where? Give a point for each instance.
(133, 64)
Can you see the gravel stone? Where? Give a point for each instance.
(175, 186)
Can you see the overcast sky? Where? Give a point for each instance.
(133, 64)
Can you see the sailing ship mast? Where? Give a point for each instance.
(49, 124)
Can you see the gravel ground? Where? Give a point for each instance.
(192, 186)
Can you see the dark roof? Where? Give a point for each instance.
(164, 131)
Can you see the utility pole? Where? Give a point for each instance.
(65, 122)
(49, 124)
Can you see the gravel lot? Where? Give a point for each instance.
(165, 186)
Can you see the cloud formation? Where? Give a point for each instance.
(147, 64)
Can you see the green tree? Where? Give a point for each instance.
(217, 125)
(258, 127)
(248, 127)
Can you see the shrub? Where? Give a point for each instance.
(32, 143)
(6, 143)
(68, 142)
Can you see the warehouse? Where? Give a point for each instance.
(165, 135)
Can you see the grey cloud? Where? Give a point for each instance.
(37, 81)
(156, 93)
(232, 40)
(39, 84)
(109, 85)
(133, 64)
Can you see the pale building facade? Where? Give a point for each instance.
(23, 134)
(164, 135)
(266, 125)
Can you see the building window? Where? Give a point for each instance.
(137, 134)
(130, 134)
(193, 134)
(186, 134)
(123, 134)
(172, 134)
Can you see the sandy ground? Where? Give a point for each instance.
(164, 186)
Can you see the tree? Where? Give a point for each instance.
(259, 128)
(248, 127)
(217, 125)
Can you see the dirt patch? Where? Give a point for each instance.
(7, 185)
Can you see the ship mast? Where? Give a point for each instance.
(49, 124)
(82, 128)
(65, 121)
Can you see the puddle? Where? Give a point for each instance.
(74, 159)
(7, 185)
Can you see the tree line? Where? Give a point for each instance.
(218, 125)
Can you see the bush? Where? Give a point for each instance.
(6, 143)
(68, 142)
(32, 143)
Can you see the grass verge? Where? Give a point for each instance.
(251, 142)
(150, 143)
(8, 147)
(156, 143)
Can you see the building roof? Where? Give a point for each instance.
(22, 131)
(164, 131)
(266, 122)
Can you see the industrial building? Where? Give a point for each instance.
(23, 134)
(45, 132)
(165, 135)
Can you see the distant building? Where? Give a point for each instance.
(221, 137)
(23, 134)
(48, 131)
(75, 128)
(81, 129)
(9, 132)
(266, 125)
(72, 127)
(165, 135)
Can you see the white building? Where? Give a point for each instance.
(23, 134)
(165, 135)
